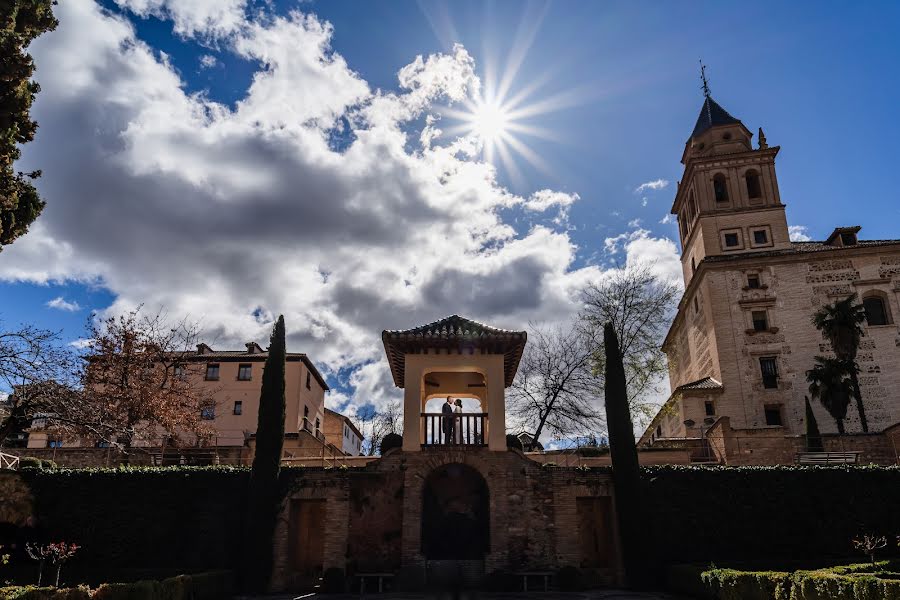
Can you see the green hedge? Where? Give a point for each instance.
(155, 522)
(214, 585)
(851, 582)
(787, 514)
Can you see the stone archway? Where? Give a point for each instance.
(456, 521)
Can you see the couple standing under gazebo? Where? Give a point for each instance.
(452, 421)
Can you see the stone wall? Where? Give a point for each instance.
(373, 515)
(769, 446)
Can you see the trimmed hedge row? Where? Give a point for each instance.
(851, 582)
(785, 514)
(201, 586)
(161, 521)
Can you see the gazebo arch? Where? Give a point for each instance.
(453, 345)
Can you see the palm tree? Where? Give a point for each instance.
(829, 383)
(841, 324)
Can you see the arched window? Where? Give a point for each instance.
(754, 190)
(720, 187)
(876, 310)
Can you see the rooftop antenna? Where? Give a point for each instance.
(703, 78)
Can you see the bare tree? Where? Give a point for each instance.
(374, 424)
(36, 373)
(640, 305)
(555, 389)
(138, 379)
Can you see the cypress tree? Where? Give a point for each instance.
(813, 437)
(623, 452)
(264, 497)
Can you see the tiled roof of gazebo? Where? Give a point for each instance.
(454, 333)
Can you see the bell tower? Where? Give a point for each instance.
(727, 200)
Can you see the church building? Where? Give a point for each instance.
(743, 338)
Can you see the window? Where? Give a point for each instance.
(693, 265)
(760, 320)
(696, 305)
(658, 431)
(760, 236)
(732, 240)
(244, 372)
(753, 281)
(178, 371)
(848, 239)
(317, 425)
(307, 381)
(753, 188)
(101, 444)
(876, 311)
(720, 188)
(710, 408)
(769, 370)
(54, 442)
(238, 407)
(773, 414)
(212, 372)
(208, 413)
(305, 411)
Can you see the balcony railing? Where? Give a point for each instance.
(465, 429)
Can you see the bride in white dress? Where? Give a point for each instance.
(457, 412)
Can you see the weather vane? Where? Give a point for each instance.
(704, 79)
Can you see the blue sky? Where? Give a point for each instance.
(619, 83)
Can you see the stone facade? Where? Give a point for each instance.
(374, 516)
(743, 339)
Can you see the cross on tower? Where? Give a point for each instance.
(703, 78)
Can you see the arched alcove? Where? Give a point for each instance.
(456, 520)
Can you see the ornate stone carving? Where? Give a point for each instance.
(831, 265)
(833, 276)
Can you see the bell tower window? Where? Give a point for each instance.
(754, 190)
(876, 310)
(720, 187)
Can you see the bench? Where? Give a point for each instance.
(546, 575)
(827, 458)
(380, 576)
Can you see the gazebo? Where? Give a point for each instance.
(454, 357)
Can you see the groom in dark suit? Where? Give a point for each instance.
(448, 424)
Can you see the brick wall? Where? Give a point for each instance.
(373, 515)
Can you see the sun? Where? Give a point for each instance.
(489, 121)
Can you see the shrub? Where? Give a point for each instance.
(334, 581)
(43, 593)
(729, 584)
(210, 586)
(139, 590)
(513, 441)
(391, 441)
(30, 462)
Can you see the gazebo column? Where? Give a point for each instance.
(496, 406)
(412, 408)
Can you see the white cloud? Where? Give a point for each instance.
(799, 233)
(204, 18)
(208, 61)
(223, 214)
(634, 223)
(667, 219)
(80, 343)
(656, 184)
(640, 248)
(61, 303)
